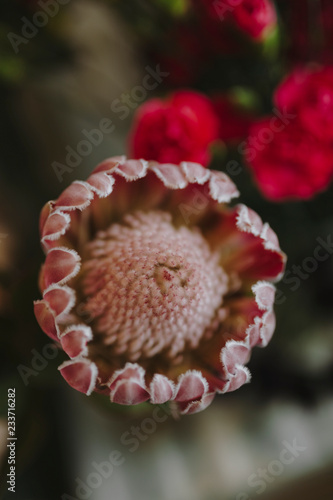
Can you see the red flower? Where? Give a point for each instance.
(257, 18)
(179, 129)
(234, 122)
(308, 92)
(292, 165)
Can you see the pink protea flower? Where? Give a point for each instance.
(152, 286)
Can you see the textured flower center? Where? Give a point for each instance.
(150, 287)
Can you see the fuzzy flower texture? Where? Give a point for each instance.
(155, 289)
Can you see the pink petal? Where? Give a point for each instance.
(132, 170)
(55, 226)
(45, 318)
(270, 238)
(268, 254)
(252, 257)
(161, 389)
(74, 340)
(128, 386)
(171, 175)
(253, 332)
(46, 210)
(267, 328)
(101, 183)
(249, 221)
(77, 196)
(197, 406)
(129, 392)
(240, 377)
(80, 374)
(110, 164)
(192, 385)
(194, 172)
(61, 264)
(221, 187)
(60, 299)
(130, 371)
(234, 353)
(264, 294)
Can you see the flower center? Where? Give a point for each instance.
(151, 288)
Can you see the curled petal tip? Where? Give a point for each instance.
(233, 354)
(221, 187)
(61, 265)
(74, 340)
(46, 319)
(61, 299)
(77, 196)
(81, 374)
(132, 170)
(197, 406)
(192, 385)
(129, 392)
(249, 221)
(101, 184)
(161, 389)
(195, 173)
(241, 376)
(265, 294)
(171, 175)
(55, 226)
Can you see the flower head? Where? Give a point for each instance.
(152, 286)
(308, 92)
(178, 129)
(294, 159)
(293, 165)
(256, 18)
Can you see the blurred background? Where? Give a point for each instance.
(67, 65)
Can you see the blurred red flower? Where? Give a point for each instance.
(256, 18)
(308, 92)
(293, 165)
(294, 159)
(180, 128)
